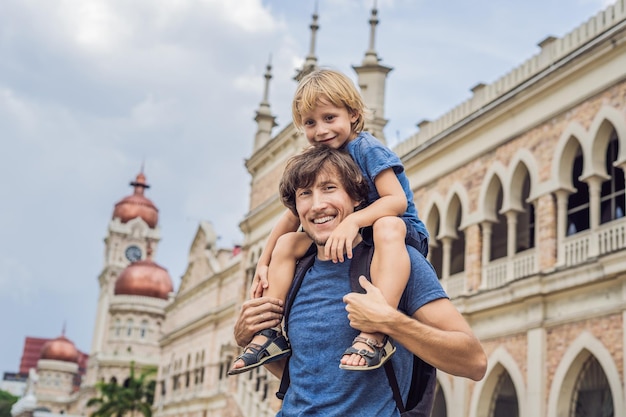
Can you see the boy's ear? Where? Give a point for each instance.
(354, 116)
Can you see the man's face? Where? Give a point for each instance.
(323, 205)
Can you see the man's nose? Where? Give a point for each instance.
(319, 200)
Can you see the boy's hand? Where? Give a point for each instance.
(259, 282)
(341, 240)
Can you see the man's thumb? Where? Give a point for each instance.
(365, 283)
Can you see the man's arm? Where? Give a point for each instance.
(437, 332)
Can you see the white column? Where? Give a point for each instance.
(535, 359)
(561, 224)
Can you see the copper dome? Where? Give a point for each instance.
(144, 278)
(59, 349)
(137, 205)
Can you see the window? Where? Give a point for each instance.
(612, 191)
(144, 329)
(504, 403)
(578, 202)
(592, 395)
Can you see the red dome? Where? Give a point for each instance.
(59, 349)
(137, 205)
(144, 278)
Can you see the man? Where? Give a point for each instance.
(323, 186)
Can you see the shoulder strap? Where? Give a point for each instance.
(303, 265)
(361, 261)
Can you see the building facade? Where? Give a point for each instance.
(522, 188)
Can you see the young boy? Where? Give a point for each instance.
(330, 110)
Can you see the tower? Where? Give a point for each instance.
(372, 77)
(134, 291)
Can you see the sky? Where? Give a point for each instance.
(91, 91)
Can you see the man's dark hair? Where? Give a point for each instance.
(303, 169)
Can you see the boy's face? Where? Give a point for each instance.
(328, 125)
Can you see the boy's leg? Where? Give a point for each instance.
(289, 248)
(390, 271)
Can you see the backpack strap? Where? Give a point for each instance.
(361, 261)
(303, 265)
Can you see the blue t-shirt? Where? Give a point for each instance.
(373, 157)
(319, 332)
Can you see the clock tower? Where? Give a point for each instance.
(132, 237)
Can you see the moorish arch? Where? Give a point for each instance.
(499, 362)
(432, 215)
(456, 203)
(487, 199)
(566, 375)
(522, 165)
(607, 120)
(568, 145)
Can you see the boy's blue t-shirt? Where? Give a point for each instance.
(319, 333)
(373, 157)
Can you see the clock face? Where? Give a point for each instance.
(133, 253)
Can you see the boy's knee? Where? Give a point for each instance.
(289, 244)
(389, 229)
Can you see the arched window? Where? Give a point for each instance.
(129, 327)
(612, 191)
(499, 231)
(525, 235)
(578, 202)
(439, 404)
(118, 327)
(143, 329)
(504, 401)
(435, 250)
(592, 395)
(457, 251)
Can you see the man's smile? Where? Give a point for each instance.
(324, 219)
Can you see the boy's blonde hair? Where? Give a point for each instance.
(331, 86)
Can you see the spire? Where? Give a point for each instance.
(310, 62)
(372, 77)
(370, 55)
(264, 118)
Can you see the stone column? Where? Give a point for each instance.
(561, 224)
(546, 224)
(486, 252)
(594, 182)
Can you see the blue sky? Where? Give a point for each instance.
(91, 90)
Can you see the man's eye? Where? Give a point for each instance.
(304, 193)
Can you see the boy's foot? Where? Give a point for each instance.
(367, 354)
(267, 346)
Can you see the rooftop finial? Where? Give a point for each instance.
(310, 63)
(268, 77)
(370, 55)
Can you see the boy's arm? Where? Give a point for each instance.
(288, 222)
(392, 202)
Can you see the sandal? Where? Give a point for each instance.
(255, 355)
(373, 360)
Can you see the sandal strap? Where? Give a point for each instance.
(373, 343)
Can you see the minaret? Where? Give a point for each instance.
(310, 63)
(264, 118)
(372, 77)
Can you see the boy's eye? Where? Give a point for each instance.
(330, 117)
(308, 122)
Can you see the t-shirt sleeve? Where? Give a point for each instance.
(375, 158)
(423, 286)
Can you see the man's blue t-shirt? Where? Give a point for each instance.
(319, 332)
(373, 157)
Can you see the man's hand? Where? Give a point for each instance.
(368, 312)
(257, 314)
(259, 282)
